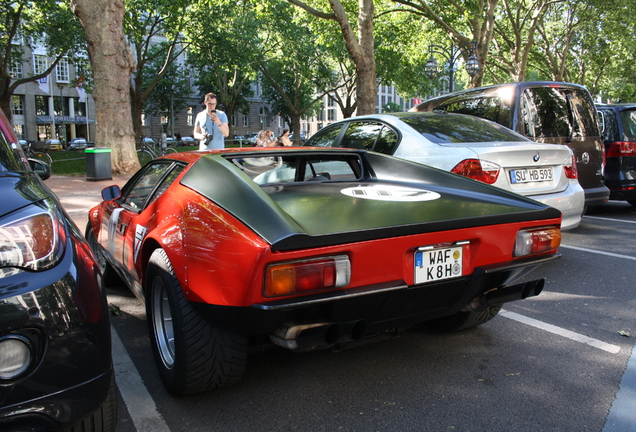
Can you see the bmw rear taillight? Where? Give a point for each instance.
(483, 171)
(537, 241)
(31, 239)
(622, 149)
(306, 276)
(570, 170)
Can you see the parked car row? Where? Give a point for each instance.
(545, 112)
(366, 232)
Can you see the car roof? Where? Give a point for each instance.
(616, 106)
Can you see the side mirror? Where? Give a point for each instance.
(42, 169)
(111, 193)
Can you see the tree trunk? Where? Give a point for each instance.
(361, 50)
(112, 63)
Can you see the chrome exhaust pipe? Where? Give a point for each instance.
(354, 330)
(308, 337)
(515, 292)
(504, 295)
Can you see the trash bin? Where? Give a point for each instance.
(98, 164)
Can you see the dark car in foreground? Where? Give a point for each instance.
(619, 136)
(55, 355)
(544, 111)
(309, 248)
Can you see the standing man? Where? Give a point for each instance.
(210, 126)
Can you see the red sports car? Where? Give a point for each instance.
(309, 248)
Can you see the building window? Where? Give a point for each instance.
(79, 107)
(41, 105)
(17, 105)
(144, 119)
(61, 71)
(331, 114)
(234, 118)
(16, 70)
(40, 63)
(19, 131)
(190, 116)
(246, 121)
(331, 101)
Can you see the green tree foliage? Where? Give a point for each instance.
(146, 23)
(293, 71)
(226, 49)
(356, 22)
(170, 93)
(47, 24)
(463, 21)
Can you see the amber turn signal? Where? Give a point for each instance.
(307, 276)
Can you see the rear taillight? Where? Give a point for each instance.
(536, 241)
(483, 171)
(570, 170)
(307, 276)
(621, 149)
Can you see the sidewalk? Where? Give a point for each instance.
(78, 195)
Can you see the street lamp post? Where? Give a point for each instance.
(452, 54)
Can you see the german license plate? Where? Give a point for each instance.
(531, 175)
(438, 264)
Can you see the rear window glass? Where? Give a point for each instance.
(610, 125)
(459, 129)
(299, 168)
(629, 124)
(489, 108)
(325, 138)
(369, 135)
(557, 112)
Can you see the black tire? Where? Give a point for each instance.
(192, 356)
(104, 419)
(109, 274)
(462, 320)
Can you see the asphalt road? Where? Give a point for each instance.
(550, 363)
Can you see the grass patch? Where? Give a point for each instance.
(73, 162)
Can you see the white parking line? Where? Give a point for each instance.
(140, 405)
(598, 252)
(610, 219)
(614, 349)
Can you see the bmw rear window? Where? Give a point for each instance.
(460, 129)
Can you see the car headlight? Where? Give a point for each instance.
(31, 238)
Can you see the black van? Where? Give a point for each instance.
(619, 135)
(545, 112)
